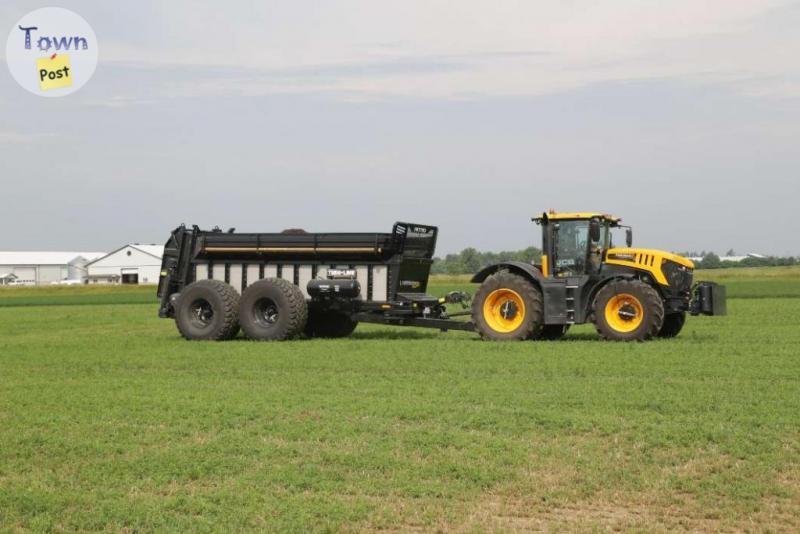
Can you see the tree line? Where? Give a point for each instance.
(712, 261)
(470, 260)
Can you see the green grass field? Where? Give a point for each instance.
(110, 421)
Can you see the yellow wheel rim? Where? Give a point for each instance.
(504, 310)
(624, 312)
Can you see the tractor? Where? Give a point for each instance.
(629, 294)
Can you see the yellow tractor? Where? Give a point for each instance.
(630, 294)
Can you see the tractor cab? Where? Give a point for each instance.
(574, 244)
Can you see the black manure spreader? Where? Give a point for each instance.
(280, 285)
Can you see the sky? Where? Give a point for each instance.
(682, 117)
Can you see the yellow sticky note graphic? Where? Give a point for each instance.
(54, 72)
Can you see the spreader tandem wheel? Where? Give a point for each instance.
(507, 307)
(628, 310)
(329, 324)
(273, 309)
(208, 309)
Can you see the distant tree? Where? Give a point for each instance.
(453, 264)
(710, 261)
(730, 253)
(471, 260)
(531, 255)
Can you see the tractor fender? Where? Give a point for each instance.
(517, 267)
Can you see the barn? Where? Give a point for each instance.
(38, 268)
(132, 264)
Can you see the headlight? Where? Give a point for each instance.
(678, 276)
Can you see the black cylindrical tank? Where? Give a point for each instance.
(340, 289)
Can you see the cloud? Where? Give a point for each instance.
(431, 49)
(12, 137)
(118, 102)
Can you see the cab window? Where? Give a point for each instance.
(574, 253)
(570, 244)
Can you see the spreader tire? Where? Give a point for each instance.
(507, 307)
(208, 309)
(273, 309)
(329, 324)
(628, 310)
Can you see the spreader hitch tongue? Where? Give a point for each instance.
(708, 298)
(458, 297)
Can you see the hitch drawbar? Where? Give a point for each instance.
(708, 298)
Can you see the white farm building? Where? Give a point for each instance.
(39, 268)
(131, 264)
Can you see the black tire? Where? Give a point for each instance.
(329, 324)
(208, 309)
(273, 309)
(628, 310)
(673, 324)
(553, 332)
(497, 306)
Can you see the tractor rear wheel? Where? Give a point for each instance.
(208, 309)
(628, 310)
(508, 307)
(330, 324)
(273, 309)
(673, 324)
(553, 332)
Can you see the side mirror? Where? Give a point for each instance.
(629, 237)
(594, 230)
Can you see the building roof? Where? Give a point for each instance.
(45, 258)
(157, 251)
(153, 250)
(742, 258)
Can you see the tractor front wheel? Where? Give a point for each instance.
(628, 310)
(508, 307)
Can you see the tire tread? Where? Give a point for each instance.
(230, 311)
(529, 293)
(653, 305)
(329, 324)
(673, 324)
(297, 310)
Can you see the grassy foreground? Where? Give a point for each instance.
(108, 420)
